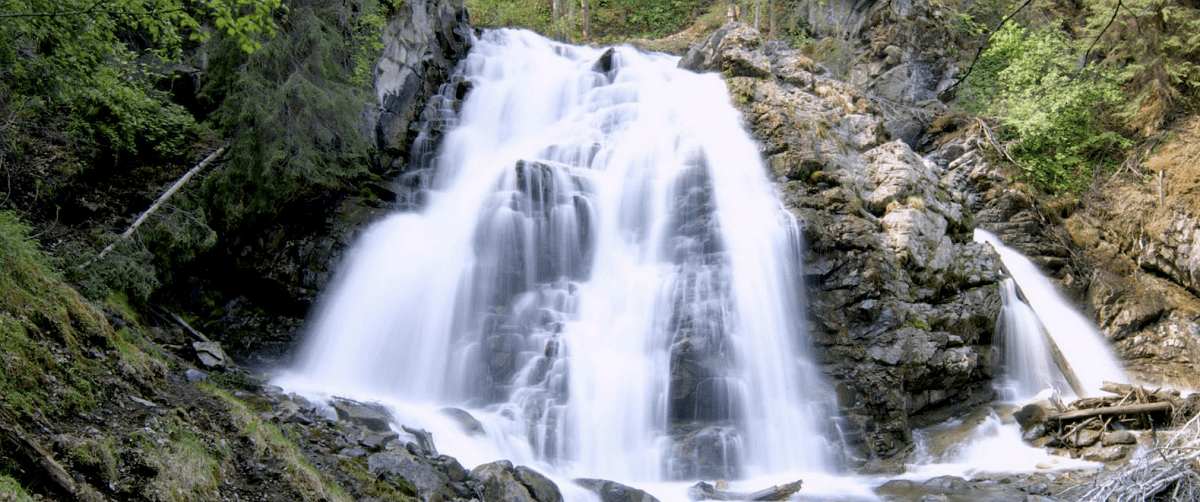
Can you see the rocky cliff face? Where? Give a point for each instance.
(903, 302)
(1137, 240)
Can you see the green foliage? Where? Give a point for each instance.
(1048, 105)
(119, 111)
(292, 109)
(607, 20)
(12, 491)
(528, 14)
(36, 312)
(188, 468)
(176, 235)
(1153, 49)
(656, 18)
(128, 269)
(97, 62)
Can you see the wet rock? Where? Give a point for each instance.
(501, 482)
(372, 416)
(542, 489)
(1118, 438)
(398, 467)
(1107, 453)
(465, 420)
(1083, 438)
(705, 452)
(377, 442)
(612, 491)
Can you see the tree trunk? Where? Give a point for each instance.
(587, 21)
(162, 198)
(1131, 409)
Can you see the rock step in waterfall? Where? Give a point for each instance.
(598, 271)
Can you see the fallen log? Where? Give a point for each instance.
(1124, 389)
(1130, 409)
(141, 218)
(705, 491)
(12, 435)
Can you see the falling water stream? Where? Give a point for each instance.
(1046, 322)
(601, 273)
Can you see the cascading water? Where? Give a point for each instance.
(1029, 367)
(601, 265)
(1034, 330)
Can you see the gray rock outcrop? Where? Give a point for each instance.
(903, 302)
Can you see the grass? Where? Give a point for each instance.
(269, 440)
(41, 322)
(188, 468)
(11, 490)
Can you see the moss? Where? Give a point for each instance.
(269, 440)
(188, 469)
(374, 486)
(99, 456)
(12, 491)
(41, 323)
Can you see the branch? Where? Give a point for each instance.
(983, 45)
(170, 191)
(1088, 53)
(89, 11)
(1129, 409)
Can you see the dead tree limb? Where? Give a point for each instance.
(983, 45)
(14, 436)
(1130, 409)
(170, 191)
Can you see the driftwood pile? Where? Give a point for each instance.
(1103, 428)
(1168, 472)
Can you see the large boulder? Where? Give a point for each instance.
(501, 482)
(612, 491)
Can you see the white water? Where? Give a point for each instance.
(1027, 353)
(583, 223)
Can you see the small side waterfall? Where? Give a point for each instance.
(1025, 353)
(601, 264)
(1033, 331)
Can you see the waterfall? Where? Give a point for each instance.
(1031, 331)
(601, 263)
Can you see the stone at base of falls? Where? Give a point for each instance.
(954, 488)
(424, 440)
(1118, 437)
(372, 416)
(705, 491)
(401, 467)
(1107, 453)
(612, 491)
(469, 424)
(500, 482)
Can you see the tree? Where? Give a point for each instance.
(1153, 46)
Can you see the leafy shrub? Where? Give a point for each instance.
(122, 114)
(1048, 104)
